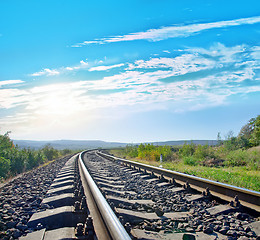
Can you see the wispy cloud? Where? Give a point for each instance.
(52, 72)
(199, 78)
(172, 31)
(9, 82)
(47, 72)
(179, 65)
(83, 65)
(104, 68)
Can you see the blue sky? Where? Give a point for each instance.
(130, 71)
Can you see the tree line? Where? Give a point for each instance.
(232, 151)
(14, 160)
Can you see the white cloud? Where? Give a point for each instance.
(104, 68)
(180, 65)
(225, 54)
(52, 72)
(10, 98)
(256, 52)
(47, 72)
(83, 65)
(140, 86)
(172, 31)
(9, 82)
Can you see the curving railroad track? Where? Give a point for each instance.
(99, 196)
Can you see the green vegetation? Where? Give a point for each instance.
(145, 151)
(14, 160)
(235, 160)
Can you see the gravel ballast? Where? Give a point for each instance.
(22, 197)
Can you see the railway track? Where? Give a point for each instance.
(98, 196)
(153, 203)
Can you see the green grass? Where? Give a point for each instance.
(240, 176)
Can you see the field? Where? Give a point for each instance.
(230, 170)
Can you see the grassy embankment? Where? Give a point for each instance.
(239, 167)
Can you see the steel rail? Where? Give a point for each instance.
(248, 198)
(114, 226)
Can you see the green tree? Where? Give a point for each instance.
(247, 130)
(32, 161)
(66, 151)
(201, 151)
(187, 149)
(249, 134)
(5, 142)
(131, 151)
(50, 152)
(41, 158)
(255, 136)
(4, 167)
(18, 159)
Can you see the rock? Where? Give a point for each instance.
(207, 230)
(243, 238)
(238, 215)
(217, 228)
(20, 198)
(231, 233)
(2, 225)
(251, 234)
(16, 233)
(189, 229)
(11, 224)
(180, 225)
(21, 226)
(223, 231)
(159, 212)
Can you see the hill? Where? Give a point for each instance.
(69, 144)
(90, 144)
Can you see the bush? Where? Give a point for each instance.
(236, 158)
(191, 161)
(243, 158)
(50, 152)
(187, 150)
(153, 153)
(131, 151)
(254, 160)
(4, 167)
(204, 151)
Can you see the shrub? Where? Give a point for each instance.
(187, 150)
(254, 160)
(204, 151)
(191, 160)
(236, 158)
(4, 167)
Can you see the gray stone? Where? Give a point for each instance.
(243, 238)
(208, 230)
(16, 233)
(21, 226)
(223, 231)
